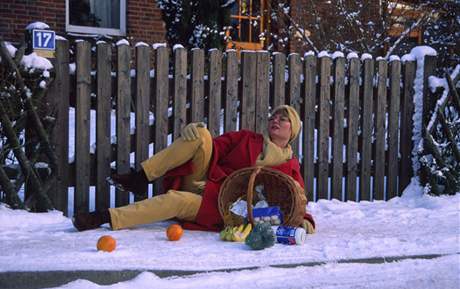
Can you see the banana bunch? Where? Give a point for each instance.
(236, 234)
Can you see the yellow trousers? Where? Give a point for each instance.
(183, 204)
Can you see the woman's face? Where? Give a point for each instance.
(279, 127)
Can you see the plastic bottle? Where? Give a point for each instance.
(290, 235)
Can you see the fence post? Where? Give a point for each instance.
(352, 129)
(161, 104)
(380, 116)
(295, 68)
(428, 102)
(366, 131)
(58, 94)
(262, 92)
(248, 75)
(231, 91)
(338, 135)
(393, 128)
(279, 81)
(407, 111)
(103, 112)
(180, 90)
(197, 98)
(123, 117)
(82, 127)
(309, 87)
(324, 124)
(142, 108)
(215, 91)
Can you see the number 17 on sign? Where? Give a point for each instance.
(43, 39)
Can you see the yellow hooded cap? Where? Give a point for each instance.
(293, 117)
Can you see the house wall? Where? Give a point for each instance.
(16, 14)
(144, 19)
(144, 22)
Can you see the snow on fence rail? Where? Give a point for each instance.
(357, 114)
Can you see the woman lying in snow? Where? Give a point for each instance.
(194, 167)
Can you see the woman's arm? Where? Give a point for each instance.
(227, 141)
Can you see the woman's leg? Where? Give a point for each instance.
(178, 153)
(195, 182)
(174, 204)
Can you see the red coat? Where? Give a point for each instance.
(231, 151)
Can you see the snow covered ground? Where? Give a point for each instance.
(413, 224)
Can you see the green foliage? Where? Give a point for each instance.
(261, 237)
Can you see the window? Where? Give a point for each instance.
(247, 25)
(106, 17)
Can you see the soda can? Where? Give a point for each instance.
(290, 235)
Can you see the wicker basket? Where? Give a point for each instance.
(280, 190)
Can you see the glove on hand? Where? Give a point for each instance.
(190, 131)
(308, 227)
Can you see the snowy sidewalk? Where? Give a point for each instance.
(442, 273)
(406, 226)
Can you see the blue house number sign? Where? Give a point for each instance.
(43, 39)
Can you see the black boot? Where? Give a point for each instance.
(135, 182)
(89, 221)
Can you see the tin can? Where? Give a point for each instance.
(290, 235)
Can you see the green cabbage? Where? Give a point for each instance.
(261, 237)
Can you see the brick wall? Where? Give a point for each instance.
(144, 22)
(16, 14)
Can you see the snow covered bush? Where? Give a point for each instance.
(440, 155)
(23, 83)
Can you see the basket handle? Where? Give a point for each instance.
(250, 193)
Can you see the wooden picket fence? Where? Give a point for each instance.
(357, 114)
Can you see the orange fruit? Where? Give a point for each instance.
(174, 232)
(106, 243)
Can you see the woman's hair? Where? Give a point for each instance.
(282, 112)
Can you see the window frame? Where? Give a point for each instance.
(252, 45)
(97, 30)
